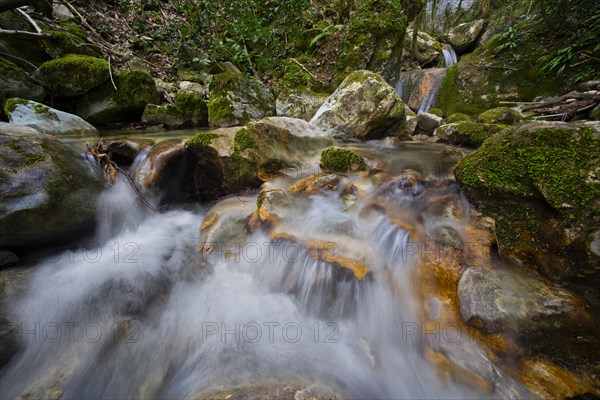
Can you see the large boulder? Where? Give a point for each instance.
(537, 314)
(429, 50)
(16, 83)
(466, 133)
(73, 75)
(45, 119)
(188, 110)
(463, 38)
(364, 106)
(541, 184)
(427, 123)
(374, 40)
(236, 99)
(299, 102)
(104, 104)
(47, 191)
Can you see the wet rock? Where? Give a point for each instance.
(464, 37)
(45, 119)
(500, 115)
(427, 123)
(73, 75)
(496, 300)
(12, 284)
(419, 88)
(168, 115)
(225, 229)
(8, 259)
(48, 192)
(316, 183)
(364, 106)
(429, 50)
(539, 182)
(236, 99)
(14, 82)
(466, 133)
(104, 104)
(123, 151)
(446, 236)
(299, 102)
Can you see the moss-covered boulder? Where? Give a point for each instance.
(189, 110)
(456, 117)
(257, 152)
(236, 99)
(168, 115)
(73, 75)
(500, 115)
(463, 38)
(335, 159)
(540, 182)
(45, 119)
(68, 38)
(193, 107)
(374, 40)
(48, 194)
(104, 104)
(299, 102)
(466, 133)
(429, 50)
(364, 106)
(14, 82)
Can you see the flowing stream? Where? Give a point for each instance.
(132, 314)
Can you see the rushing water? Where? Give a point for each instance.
(132, 314)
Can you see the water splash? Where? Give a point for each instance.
(140, 319)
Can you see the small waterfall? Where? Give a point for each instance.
(419, 88)
(449, 55)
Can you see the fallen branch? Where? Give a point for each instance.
(592, 95)
(304, 68)
(38, 34)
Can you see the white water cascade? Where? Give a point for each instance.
(132, 315)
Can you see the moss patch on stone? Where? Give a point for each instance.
(30, 158)
(448, 94)
(341, 160)
(243, 141)
(526, 177)
(11, 105)
(74, 74)
(457, 117)
(201, 139)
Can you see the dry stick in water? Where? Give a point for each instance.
(137, 191)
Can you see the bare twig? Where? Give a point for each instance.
(304, 68)
(111, 75)
(20, 59)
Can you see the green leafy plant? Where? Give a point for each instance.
(328, 30)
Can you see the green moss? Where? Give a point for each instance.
(30, 158)
(220, 108)
(243, 141)
(193, 107)
(136, 87)
(374, 38)
(457, 117)
(448, 94)
(74, 29)
(226, 81)
(11, 105)
(503, 115)
(436, 111)
(201, 139)
(341, 160)
(543, 166)
(74, 74)
(295, 77)
(7, 65)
